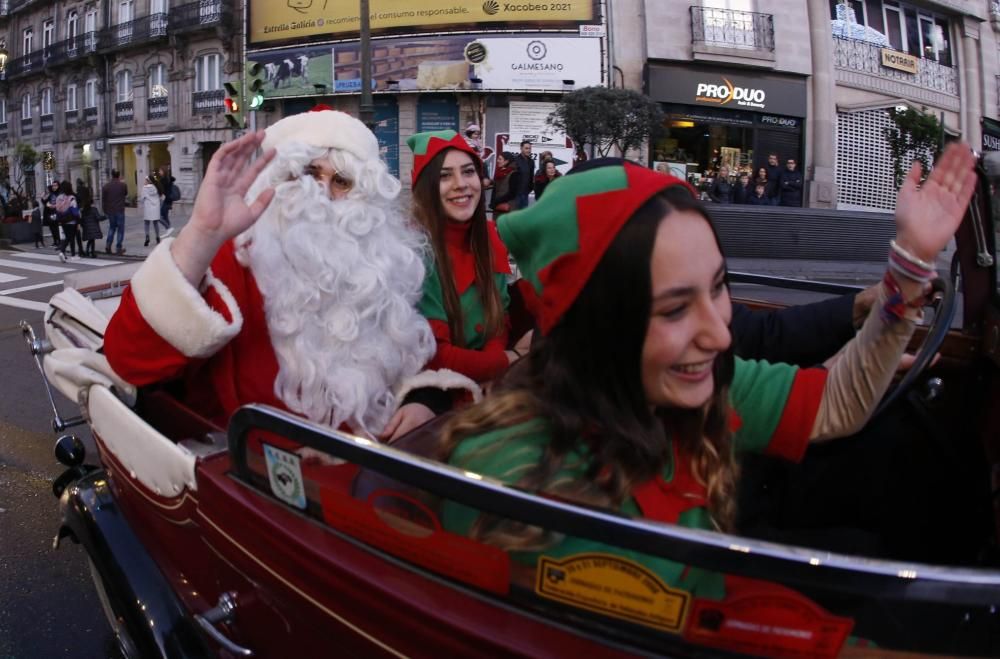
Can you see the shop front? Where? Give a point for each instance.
(717, 117)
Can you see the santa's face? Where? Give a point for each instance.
(460, 186)
(335, 183)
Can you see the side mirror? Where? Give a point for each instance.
(70, 451)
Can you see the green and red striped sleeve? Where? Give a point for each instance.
(777, 404)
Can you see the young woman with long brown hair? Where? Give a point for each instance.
(465, 293)
(632, 399)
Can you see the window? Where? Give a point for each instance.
(90, 21)
(72, 23)
(46, 104)
(29, 36)
(207, 73)
(123, 86)
(3, 111)
(158, 81)
(26, 106)
(71, 98)
(126, 11)
(907, 29)
(48, 33)
(158, 6)
(90, 94)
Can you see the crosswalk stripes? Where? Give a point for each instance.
(97, 263)
(28, 266)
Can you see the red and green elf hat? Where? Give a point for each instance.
(558, 241)
(427, 145)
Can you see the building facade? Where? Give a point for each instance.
(132, 85)
(813, 80)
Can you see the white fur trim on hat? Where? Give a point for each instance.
(177, 311)
(441, 379)
(327, 129)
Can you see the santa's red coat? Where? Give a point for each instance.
(215, 340)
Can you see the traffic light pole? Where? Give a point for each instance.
(367, 109)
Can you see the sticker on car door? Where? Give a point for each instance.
(284, 472)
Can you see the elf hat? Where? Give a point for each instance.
(326, 128)
(427, 145)
(558, 241)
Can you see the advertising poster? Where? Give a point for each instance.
(285, 20)
(438, 112)
(435, 64)
(305, 71)
(387, 131)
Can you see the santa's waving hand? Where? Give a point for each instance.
(294, 284)
(220, 212)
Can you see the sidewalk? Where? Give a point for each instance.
(135, 233)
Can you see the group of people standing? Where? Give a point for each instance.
(771, 185)
(514, 178)
(73, 218)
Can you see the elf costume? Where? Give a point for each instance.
(475, 355)
(776, 408)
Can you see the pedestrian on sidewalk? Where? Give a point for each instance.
(36, 223)
(67, 215)
(50, 212)
(113, 196)
(90, 225)
(149, 200)
(165, 183)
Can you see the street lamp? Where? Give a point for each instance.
(3, 57)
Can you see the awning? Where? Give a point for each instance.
(140, 139)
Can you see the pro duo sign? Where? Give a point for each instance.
(729, 93)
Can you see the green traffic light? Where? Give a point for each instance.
(256, 101)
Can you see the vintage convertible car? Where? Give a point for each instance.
(276, 537)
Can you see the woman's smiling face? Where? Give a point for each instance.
(690, 313)
(460, 186)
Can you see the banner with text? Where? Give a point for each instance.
(271, 21)
(434, 63)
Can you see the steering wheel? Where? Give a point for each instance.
(943, 300)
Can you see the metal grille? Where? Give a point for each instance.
(864, 162)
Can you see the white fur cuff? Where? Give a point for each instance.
(440, 379)
(177, 311)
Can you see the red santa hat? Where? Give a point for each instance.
(326, 128)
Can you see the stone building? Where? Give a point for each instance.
(812, 80)
(131, 85)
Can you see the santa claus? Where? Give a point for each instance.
(294, 284)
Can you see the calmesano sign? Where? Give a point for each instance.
(727, 92)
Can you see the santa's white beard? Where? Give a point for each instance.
(340, 281)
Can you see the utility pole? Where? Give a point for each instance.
(367, 109)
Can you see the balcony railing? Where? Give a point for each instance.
(72, 118)
(861, 56)
(46, 123)
(25, 65)
(208, 102)
(3, 128)
(90, 115)
(26, 125)
(69, 49)
(200, 15)
(157, 108)
(124, 111)
(133, 33)
(730, 28)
